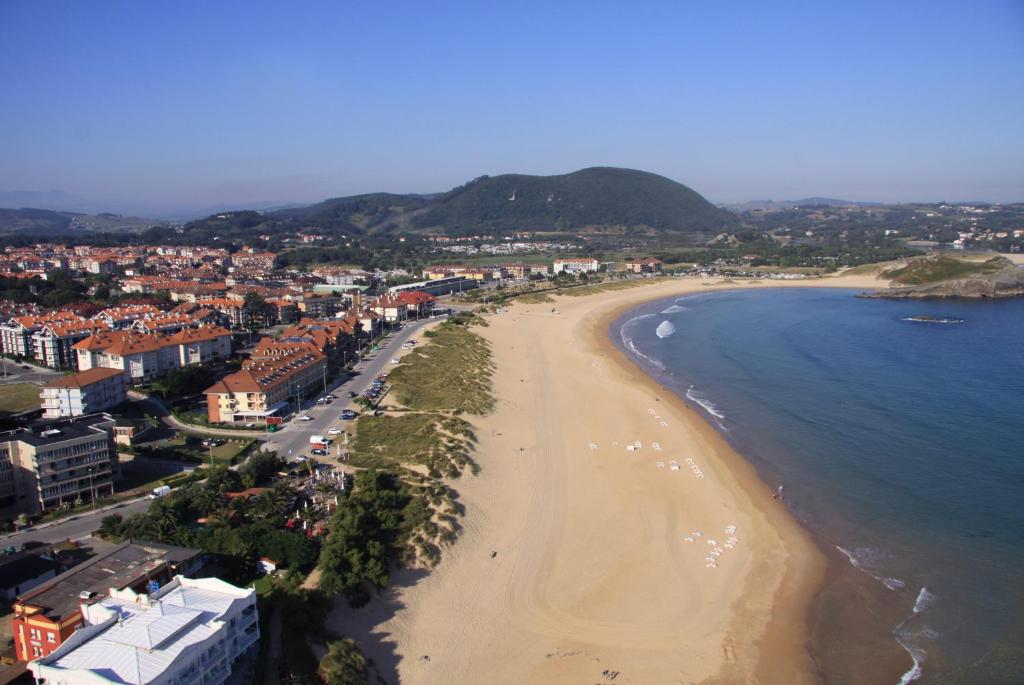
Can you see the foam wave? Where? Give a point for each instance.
(917, 654)
(627, 342)
(923, 601)
(707, 404)
(664, 329)
(674, 309)
(891, 583)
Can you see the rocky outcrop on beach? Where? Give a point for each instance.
(1001, 278)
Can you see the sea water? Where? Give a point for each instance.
(899, 443)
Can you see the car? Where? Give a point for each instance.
(330, 397)
(348, 415)
(334, 431)
(352, 394)
(395, 361)
(318, 452)
(305, 417)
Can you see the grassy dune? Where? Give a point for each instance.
(942, 268)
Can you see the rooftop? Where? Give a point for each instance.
(134, 639)
(119, 568)
(84, 378)
(49, 433)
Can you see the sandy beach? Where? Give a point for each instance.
(631, 543)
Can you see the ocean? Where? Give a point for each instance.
(900, 444)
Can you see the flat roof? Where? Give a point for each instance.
(119, 568)
(50, 433)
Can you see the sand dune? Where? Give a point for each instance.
(593, 574)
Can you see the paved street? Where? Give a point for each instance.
(293, 440)
(73, 528)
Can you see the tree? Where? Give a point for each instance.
(344, 664)
(257, 311)
(110, 526)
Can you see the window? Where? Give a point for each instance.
(37, 651)
(50, 637)
(35, 634)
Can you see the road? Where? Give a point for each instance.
(293, 440)
(75, 527)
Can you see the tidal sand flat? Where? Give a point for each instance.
(895, 427)
(612, 534)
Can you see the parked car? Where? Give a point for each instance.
(318, 452)
(305, 417)
(330, 398)
(334, 431)
(348, 415)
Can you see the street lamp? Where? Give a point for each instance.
(92, 489)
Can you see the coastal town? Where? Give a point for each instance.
(478, 343)
(195, 365)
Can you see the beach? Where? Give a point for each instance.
(612, 534)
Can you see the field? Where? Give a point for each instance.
(190, 448)
(18, 397)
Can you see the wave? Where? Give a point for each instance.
(665, 329)
(707, 404)
(891, 583)
(627, 342)
(674, 309)
(923, 601)
(917, 654)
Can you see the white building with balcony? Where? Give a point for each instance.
(190, 632)
(85, 392)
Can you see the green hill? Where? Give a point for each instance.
(357, 213)
(591, 198)
(599, 196)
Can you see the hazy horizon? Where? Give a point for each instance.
(160, 110)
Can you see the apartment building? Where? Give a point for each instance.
(576, 265)
(647, 265)
(265, 387)
(67, 461)
(391, 308)
(85, 392)
(52, 344)
(190, 632)
(50, 614)
(17, 333)
(144, 357)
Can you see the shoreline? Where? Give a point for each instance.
(592, 577)
(836, 588)
(784, 636)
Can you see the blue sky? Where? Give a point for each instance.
(162, 107)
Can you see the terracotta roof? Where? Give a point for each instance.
(63, 329)
(264, 374)
(84, 378)
(189, 335)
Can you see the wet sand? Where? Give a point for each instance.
(593, 575)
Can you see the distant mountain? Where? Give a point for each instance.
(46, 223)
(598, 196)
(54, 200)
(775, 206)
(595, 198)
